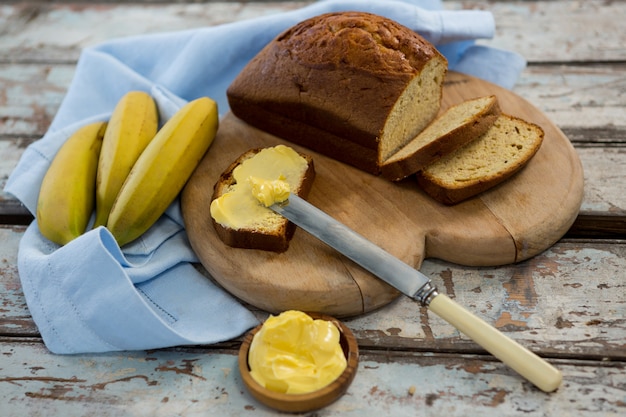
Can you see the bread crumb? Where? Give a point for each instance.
(412, 390)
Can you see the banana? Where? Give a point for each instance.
(67, 194)
(132, 126)
(163, 168)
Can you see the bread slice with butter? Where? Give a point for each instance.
(240, 218)
(457, 126)
(502, 151)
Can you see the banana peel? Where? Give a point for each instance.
(67, 194)
(163, 169)
(133, 124)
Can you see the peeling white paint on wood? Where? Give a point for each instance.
(568, 303)
(194, 382)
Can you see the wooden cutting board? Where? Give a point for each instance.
(510, 223)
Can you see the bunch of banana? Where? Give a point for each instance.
(67, 195)
(162, 170)
(126, 169)
(132, 126)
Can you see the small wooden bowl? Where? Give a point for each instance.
(297, 403)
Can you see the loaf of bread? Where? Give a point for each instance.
(353, 86)
(483, 163)
(457, 126)
(258, 227)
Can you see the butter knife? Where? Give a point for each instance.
(419, 287)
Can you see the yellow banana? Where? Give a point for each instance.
(67, 195)
(163, 168)
(133, 124)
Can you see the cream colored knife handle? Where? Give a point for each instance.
(545, 376)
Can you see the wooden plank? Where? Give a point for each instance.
(603, 172)
(46, 32)
(190, 381)
(560, 31)
(11, 210)
(15, 318)
(560, 303)
(584, 101)
(567, 302)
(31, 96)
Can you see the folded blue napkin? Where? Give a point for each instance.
(92, 296)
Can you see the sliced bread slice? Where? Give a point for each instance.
(239, 218)
(482, 164)
(457, 126)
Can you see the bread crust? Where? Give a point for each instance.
(312, 137)
(397, 168)
(453, 194)
(330, 82)
(253, 239)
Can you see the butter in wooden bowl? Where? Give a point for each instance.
(298, 362)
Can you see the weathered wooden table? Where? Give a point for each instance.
(568, 304)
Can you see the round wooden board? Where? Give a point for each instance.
(510, 223)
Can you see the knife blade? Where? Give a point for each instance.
(419, 287)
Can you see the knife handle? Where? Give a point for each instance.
(545, 376)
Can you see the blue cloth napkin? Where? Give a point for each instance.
(92, 296)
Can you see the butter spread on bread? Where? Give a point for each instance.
(353, 86)
(269, 192)
(240, 216)
(502, 151)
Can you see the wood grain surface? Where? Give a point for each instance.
(510, 223)
(567, 304)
